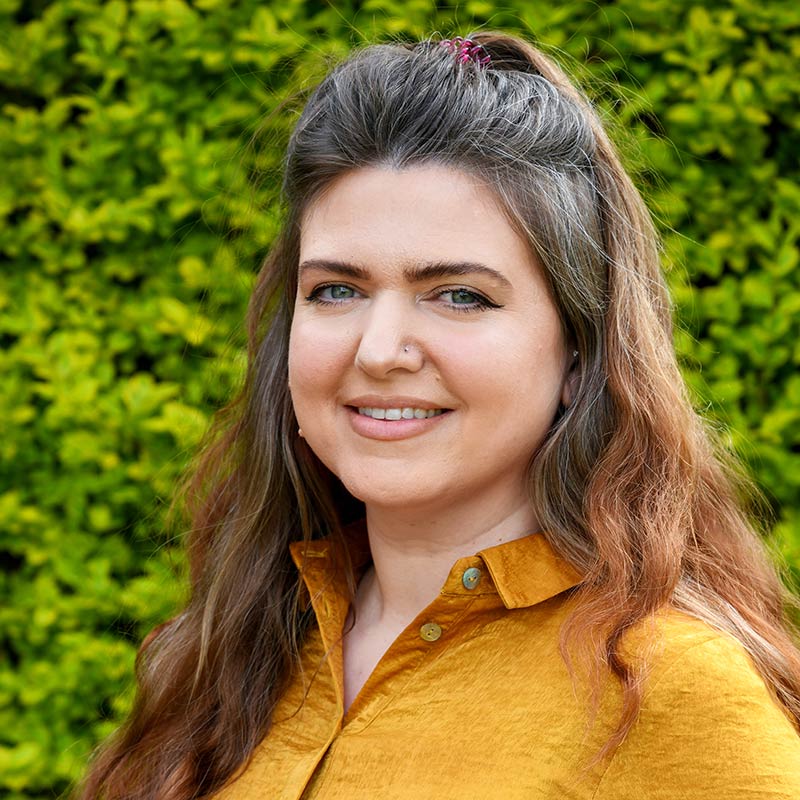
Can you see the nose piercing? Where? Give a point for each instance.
(405, 349)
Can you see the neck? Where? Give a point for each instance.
(413, 550)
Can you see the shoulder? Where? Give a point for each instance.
(708, 726)
(687, 655)
(701, 677)
(681, 649)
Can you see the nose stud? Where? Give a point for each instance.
(388, 357)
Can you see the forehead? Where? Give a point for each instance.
(430, 212)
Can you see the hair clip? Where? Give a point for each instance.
(466, 50)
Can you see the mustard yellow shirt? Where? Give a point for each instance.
(473, 700)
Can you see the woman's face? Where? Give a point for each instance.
(417, 299)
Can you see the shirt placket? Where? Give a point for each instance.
(468, 588)
(427, 637)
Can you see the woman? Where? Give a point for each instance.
(462, 532)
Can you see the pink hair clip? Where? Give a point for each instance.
(466, 50)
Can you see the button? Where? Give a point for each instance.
(471, 578)
(430, 631)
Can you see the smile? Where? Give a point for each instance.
(400, 413)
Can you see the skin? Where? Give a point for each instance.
(457, 486)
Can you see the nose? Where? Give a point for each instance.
(388, 341)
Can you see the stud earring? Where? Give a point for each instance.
(300, 433)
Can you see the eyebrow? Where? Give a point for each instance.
(417, 273)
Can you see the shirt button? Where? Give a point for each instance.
(471, 578)
(430, 631)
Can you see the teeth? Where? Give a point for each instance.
(400, 413)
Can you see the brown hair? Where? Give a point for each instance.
(628, 484)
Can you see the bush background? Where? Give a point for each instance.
(130, 239)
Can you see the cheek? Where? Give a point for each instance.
(317, 360)
(515, 376)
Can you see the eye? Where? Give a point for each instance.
(331, 294)
(462, 299)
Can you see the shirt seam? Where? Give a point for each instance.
(711, 638)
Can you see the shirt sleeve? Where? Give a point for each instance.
(708, 728)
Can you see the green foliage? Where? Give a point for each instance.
(131, 235)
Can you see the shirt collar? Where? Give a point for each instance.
(523, 571)
(528, 571)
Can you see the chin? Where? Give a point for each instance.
(400, 495)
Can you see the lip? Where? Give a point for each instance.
(392, 430)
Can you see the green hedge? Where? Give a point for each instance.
(131, 235)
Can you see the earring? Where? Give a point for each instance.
(300, 433)
(574, 353)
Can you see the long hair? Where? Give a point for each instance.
(628, 484)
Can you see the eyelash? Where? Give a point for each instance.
(481, 303)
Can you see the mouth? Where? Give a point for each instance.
(397, 414)
(394, 423)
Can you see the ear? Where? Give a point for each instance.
(570, 387)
